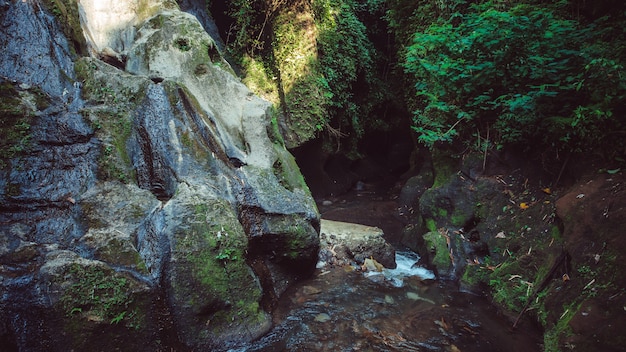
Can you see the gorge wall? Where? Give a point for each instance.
(146, 198)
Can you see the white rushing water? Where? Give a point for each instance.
(406, 262)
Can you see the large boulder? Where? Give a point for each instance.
(150, 203)
(344, 243)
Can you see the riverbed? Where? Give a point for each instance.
(407, 309)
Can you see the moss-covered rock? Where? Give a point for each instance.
(91, 298)
(499, 230)
(113, 97)
(287, 171)
(450, 205)
(18, 107)
(445, 165)
(213, 292)
(438, 252)
(146, 179)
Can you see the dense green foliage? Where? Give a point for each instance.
(315, 60)
(485, 74)
(346, 54)
(524, 74)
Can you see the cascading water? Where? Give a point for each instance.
(407, 266)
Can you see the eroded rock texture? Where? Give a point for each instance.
(146, 199)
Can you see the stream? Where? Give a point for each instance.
(405, 309)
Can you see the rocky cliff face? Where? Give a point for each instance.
(146, 199)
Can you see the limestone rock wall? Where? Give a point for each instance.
(146, 200)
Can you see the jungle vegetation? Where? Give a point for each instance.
(542, 75)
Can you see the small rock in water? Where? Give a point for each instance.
(376, 277)
(327, 202)
(415, 297)
(389, 300)
(310, 290)
(372, 265)
(412, 295)
(322, 317)
(348, 268)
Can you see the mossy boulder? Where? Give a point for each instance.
(212, 291)
(450, 205)
(438, 251)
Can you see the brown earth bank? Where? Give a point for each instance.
(590, 308)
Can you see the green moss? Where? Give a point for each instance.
(260, 80)
(555, 233)
(307, 104)
(510, 291)
(293, 235)
(114, 98)
(513, 284)
(114, 161)
(561, 329)
(437, 245)
(120, 252)
(17, 114)
(444, 166)
(303, 89)
(99, 293)
(296, 242)
(474, 275)
(459, 219)
(213, 248)
(431, 225)
(287, 171)
(273, 130)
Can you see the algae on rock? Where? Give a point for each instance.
(161, 167)
(218, 293)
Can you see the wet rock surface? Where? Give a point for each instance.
(345, 243)
(141, 206)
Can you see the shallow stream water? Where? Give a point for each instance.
(406, 309)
